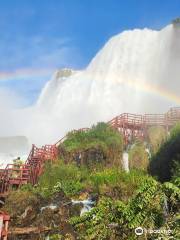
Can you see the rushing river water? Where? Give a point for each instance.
(87, 205)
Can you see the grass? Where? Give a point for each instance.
(72, 180)
(18, 200)
(138, 157)
(100, 136)
(67, 177)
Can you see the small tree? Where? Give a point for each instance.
(163, 161)
(138, 157)
(101, 142)
(156, 137)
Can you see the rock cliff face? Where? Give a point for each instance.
(50, 91)
(34, 218)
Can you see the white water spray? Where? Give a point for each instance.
(136, 71)
(87, 205)
(125, 162)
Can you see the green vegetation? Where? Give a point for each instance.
(125, 200)
(99, 135)
(67, 177)
(163, 161)
(113, 219)
(18, 201)
(156, 137)
(56, 237)
(101, 143)
(73, 180)
(138, 157)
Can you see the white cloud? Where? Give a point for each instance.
(36, 52)
(28, 63)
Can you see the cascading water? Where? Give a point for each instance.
(87, 205)
(136, 71)
(148, 152)
(165, 207)
(125, 161)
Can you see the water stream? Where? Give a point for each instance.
(87, 205)
(125, 161)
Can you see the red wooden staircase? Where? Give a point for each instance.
(15, 175)
(129, 125)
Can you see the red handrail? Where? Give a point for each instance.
(129, 125)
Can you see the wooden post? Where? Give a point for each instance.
(1, 225)
(4, 222)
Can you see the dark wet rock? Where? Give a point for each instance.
(30, 210)
(75, 209)
(89, 157)
(59, 198)
(48, 218)
(94, 197)
(68, 231)
(28, 233)
(27, 211)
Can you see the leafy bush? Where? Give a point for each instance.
(98, 134)
(117, 220)
(55, 236)
(156, 137)
(68, 177)
(138, 157)
(106, 141)
(173, 193)
(17, 201)
(72, 180)
(117, 184)
(163, 161)
(107, 176)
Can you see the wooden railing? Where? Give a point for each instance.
(130, 126)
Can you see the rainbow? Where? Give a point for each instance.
(153, 89)
(135, 84)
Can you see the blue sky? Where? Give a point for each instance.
(39, 36)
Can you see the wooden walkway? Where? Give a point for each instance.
(131, 126)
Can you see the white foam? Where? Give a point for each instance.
(87, 205)
(51, 206)
(125, 161)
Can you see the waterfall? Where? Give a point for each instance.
(136, 71)
(165, 207)
(148, 152)
(125, 161)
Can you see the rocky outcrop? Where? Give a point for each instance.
(33, 217)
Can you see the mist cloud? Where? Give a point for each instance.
(136, 71)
